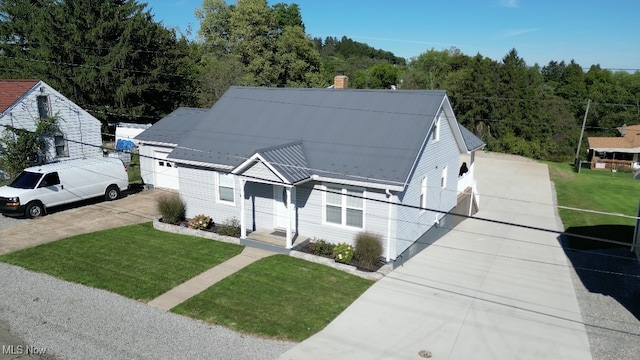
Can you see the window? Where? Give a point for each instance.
(61, 145)
(443, 179)
(50, 179)
(423, 194)
(435, 134)
(344, 206)
(43, 106)
(226, 188)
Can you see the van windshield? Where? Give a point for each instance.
(26, 180)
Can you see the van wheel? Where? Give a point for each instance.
(112, 193)
(34, 210)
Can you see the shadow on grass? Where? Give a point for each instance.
(605, 268)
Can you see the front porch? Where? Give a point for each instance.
(614, 159)
(612, 164)
(277, 237)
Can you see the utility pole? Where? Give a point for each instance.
(584, 121)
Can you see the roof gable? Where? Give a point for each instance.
(369, 135)
(471, 141)
(287, 162)
(12, 90)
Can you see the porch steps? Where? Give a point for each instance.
(198, 284)
(264, 246)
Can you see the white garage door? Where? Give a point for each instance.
(166, 171)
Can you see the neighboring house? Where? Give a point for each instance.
(609, 153)
(24, 102)
(324, 163)
(155, 144)
(125, 134)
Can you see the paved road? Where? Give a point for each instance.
(483, 291)
(79, 218)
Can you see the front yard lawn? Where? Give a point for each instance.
(278, 297)
(135, 261)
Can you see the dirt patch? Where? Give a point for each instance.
(557, 174)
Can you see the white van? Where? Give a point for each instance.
(40, 187)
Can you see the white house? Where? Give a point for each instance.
(24, 102)
(324, 163)
(155, 144)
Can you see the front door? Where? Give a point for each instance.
(280, 203)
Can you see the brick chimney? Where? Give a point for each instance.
(341, 82)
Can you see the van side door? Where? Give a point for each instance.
(51, 192)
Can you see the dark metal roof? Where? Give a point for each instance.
(471, 141)
(289, 160)
(173, 127)
(367, 135)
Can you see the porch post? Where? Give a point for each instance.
(289, 236)
(243, 225)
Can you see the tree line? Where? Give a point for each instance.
(115, 60)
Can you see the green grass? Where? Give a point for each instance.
(135, 261)
(596, 190)
(133, 170)
(277, 297)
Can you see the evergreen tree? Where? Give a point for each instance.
(110, 57)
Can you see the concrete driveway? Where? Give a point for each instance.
(482, 291)
(81, 218)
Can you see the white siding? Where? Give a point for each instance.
(81, 130)
(258, 200)
(262, 172)
(198, 191)
(148, 161)
(411, 223)
(310, 214)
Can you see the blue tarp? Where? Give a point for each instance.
(125, 145)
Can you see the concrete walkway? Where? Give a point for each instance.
(483, 291)
(198, 284)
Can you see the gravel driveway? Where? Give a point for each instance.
(72, 321)
(6, 221)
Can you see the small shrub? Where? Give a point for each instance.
(230, 227)
(321, 247)
(200, 222)
(171, 208)
(368, 249)
(343, 253)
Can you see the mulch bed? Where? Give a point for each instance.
(213, 228)
(354, 262)
(305, 249)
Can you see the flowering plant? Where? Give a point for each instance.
(343, 253)
(200, 222)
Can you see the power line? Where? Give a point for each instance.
(241, 159)
(437, 210)
(453, 95)
(452, 229)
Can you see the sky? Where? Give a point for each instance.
(587, 31)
